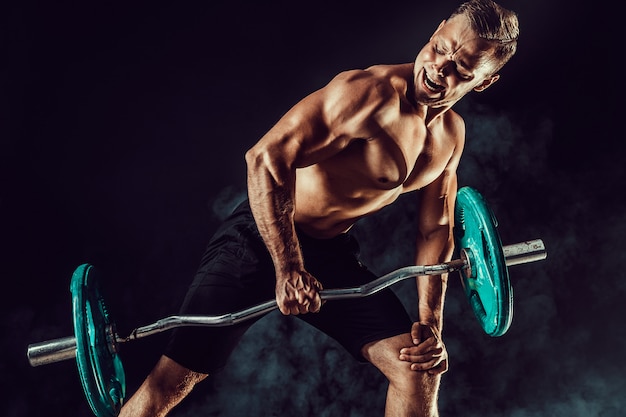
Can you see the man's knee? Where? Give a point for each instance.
(166, 386)
(171, 378)
(410, 392)
(384, 354)
(411, 382)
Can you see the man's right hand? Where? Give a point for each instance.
(428, 352)
(298, 293)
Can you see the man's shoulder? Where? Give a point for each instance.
(375, 74)
(454, 126)
(358, 86)
(376, 81)
(392, 70)
(453, 118)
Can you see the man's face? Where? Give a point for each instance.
(453, 63)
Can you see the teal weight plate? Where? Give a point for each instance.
(99, 366)
(488, 287)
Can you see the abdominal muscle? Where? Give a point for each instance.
(328, 205)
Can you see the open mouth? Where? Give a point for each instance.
(432, 85)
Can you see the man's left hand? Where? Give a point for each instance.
(428, 352)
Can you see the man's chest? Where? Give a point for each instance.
(408, 160)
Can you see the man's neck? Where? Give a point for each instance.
(433, 112)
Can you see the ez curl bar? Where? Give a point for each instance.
(483, 266)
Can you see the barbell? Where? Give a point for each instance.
(482, 263)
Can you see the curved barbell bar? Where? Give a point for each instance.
(57, 350)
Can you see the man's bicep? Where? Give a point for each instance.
(304, 136)
(437, 203)
(326, 121)
(438, 198)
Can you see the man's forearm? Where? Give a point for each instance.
(271, 192)
(436, 248)
(431, 295)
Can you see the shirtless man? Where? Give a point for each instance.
(342, 153)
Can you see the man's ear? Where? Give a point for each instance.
(487, 82)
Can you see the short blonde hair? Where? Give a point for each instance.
(495, 24)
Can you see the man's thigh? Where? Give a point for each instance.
(235, 273)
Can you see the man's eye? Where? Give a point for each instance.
(438, 50)
(463, 75)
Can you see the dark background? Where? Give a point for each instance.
(123, 131)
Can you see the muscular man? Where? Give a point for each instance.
(342, 153)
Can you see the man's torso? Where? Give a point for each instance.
(400, 154)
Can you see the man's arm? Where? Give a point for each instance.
(319, 126)
(272, 164)
(435, 244)
(435, 241)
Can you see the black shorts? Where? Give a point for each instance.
(236, 272)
